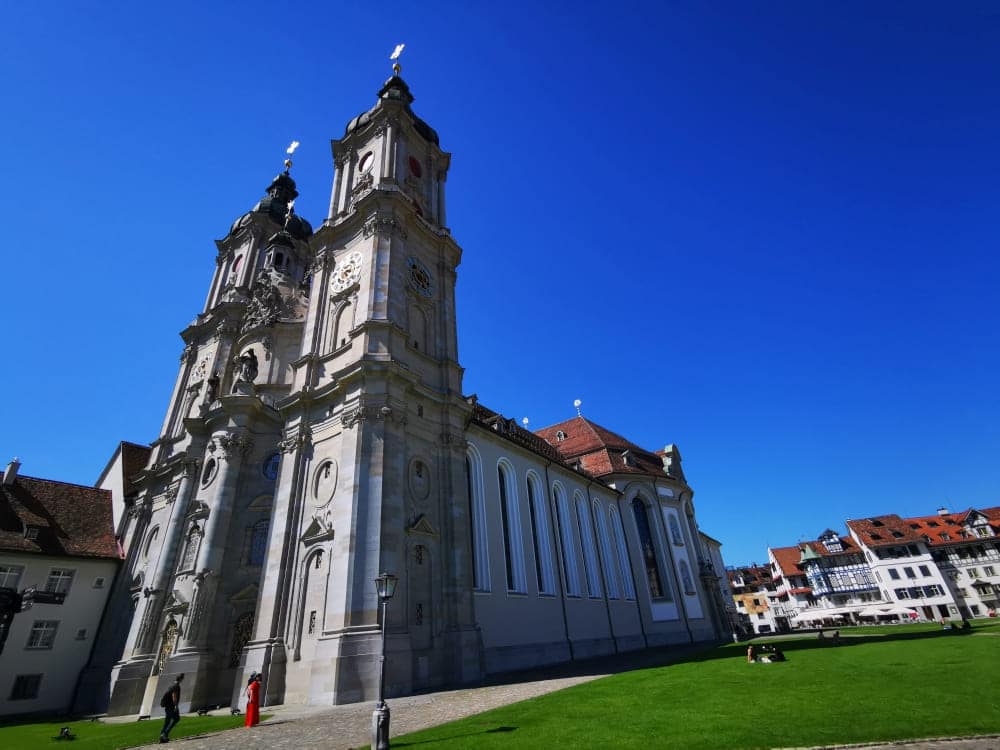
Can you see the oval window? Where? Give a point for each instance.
(366, 162)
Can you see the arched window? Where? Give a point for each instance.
(542, 536)
(605, 541)
(650, 563)
(343, 325)
(686, 580)
(566, 543)
(623, 566)
(512, 542)
(258, 543)
(675, 529)
(191, 545)
(589, 553)
(149, 542)
(242, 632)
(477, 520)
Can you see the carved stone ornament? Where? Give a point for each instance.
(293, 442)
(420, 279)
(420, 479)
(364, 183)
(383, 225)
(352, 416)
(265, 307)
(347, 272)
(225, 332)
(236, 444)
(324, 259)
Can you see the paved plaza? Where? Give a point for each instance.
(299, 727)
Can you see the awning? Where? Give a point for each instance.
(817, 615)
(887, 610)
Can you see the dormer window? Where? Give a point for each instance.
(560, 436)
(628, 458)
(31, 533)
(897, 534)
(875, 536)
(876, 522)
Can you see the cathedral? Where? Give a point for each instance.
(318, 435)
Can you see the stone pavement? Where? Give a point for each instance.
(299, 727)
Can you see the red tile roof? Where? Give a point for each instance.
(599, 450)
(134, 459)
(884, 531)
(72, 520)
(788, 557)
(940, 528)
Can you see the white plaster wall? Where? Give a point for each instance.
(61, 664)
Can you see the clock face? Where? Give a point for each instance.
(347, 271)
(366, 162)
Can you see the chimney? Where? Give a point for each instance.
(11, 473)
(942, 511)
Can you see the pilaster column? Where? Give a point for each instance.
(233, 448)
(142, 641)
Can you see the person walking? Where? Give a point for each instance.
(253, 700)
(171, 702)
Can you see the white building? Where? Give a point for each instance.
(317, 436)
(57, 538)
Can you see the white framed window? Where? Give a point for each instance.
(511, 518)
(604, 540)
(60, 579)
(43, 634)
(542, 534)
(190, 557)
(589, 552)
(10, 576)
(477, 520)
(566, 545)
(623, 565)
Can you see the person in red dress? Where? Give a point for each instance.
(253, 700)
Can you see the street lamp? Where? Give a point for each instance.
(385, 585)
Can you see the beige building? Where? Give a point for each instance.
(317, 436)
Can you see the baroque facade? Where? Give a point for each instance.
(317, 436)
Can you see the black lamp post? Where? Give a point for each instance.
(385, 585)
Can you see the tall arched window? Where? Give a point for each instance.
(477, 520)
(342, 327)
(604, 540)
(650, 563)
(589, 553)
(258, 543)
(686, 580)
(512, 543)
(542, 536)
(675, 529)
(566, 543)
(191, 549)
(623, 567)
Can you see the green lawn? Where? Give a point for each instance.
(98, 735)
(888, 683)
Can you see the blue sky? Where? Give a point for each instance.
(764, 232)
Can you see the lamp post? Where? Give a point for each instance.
(385, 585)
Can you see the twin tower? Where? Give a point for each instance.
(284, 480)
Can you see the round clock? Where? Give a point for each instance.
(347, 271)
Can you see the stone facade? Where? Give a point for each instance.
(317, 436)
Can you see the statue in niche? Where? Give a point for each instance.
(213, 387)
(247, 368)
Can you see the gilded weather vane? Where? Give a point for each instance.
(396, 67)
(290, 150)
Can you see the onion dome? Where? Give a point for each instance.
(280, 193)
(394, 89)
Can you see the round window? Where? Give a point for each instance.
(209, 473)
(366, 162)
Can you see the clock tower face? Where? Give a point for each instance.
(347, 272)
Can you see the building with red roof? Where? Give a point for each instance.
(56, 538)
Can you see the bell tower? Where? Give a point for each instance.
(373, 474)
